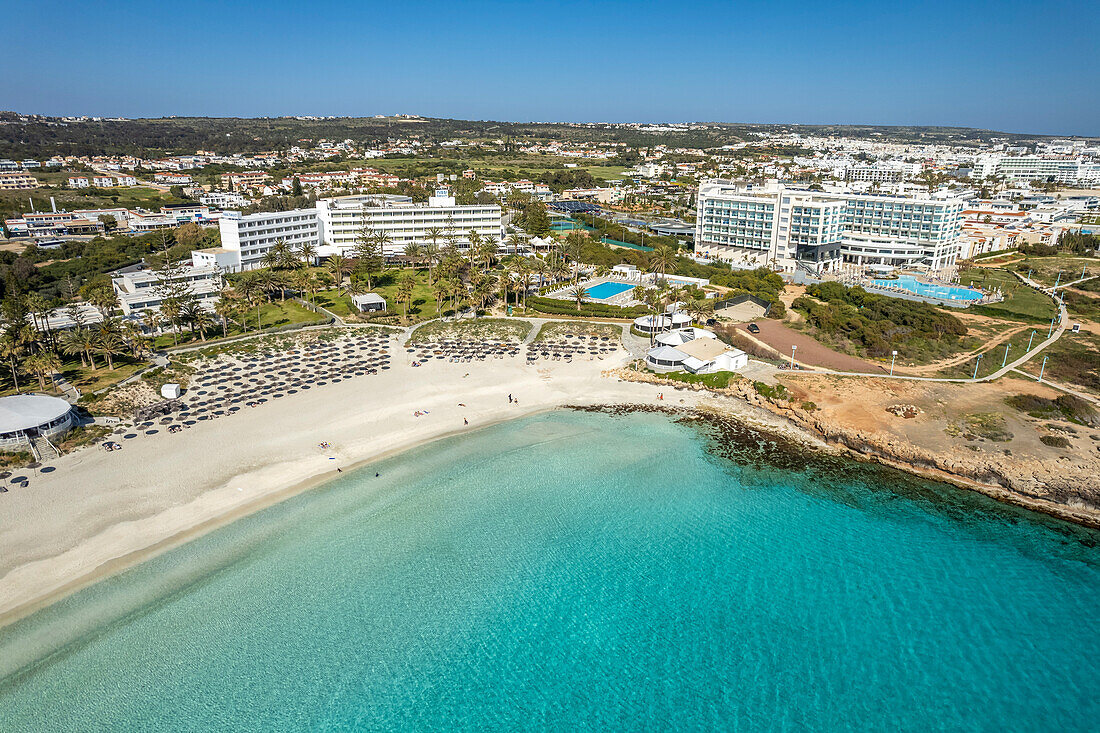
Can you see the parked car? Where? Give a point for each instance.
(753, 328)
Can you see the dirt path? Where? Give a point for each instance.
(809, 352)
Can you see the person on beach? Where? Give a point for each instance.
(465, 421)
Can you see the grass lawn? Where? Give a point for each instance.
(87, 379)
(422, 307)
(1045, 269)
(559, 329)
(480, 329)
(336, 301)
(1021, 303)
(606, 171)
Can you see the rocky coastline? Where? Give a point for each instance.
(1071, 492)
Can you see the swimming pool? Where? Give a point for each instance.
(915, 286)
(606, 290)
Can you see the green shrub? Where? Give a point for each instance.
(1055, 441)
(778, 392)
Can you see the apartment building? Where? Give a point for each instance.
(223, 200)
(1073, 171)
(773, 225)
(140, 289)
(245, 179)
(873, 174)
(17, 181)
(342, 220)
(246, 238)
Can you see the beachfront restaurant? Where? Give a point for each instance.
(28, 416)
(698, 356)
(662, 322)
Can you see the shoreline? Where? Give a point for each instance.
(100, 513)
(119, 542)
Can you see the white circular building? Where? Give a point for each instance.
(663, 322)
(27, 416)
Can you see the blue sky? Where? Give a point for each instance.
(1021, 67)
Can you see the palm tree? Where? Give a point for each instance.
(338, 266)
(104, 299)
(40, 312)
(516, 239)
(151, 320)
(252, 290)
(440, 289)
(225, 308)
(16, 337)
(578, 292)
(189, 314)
(42, 363)
(413, 253)
(542, 269)
(79, 341)
(523, 271)
(405, 285)
(485, 251)
(108, 342)
(661, 258)
(431, 248)
(308, 253)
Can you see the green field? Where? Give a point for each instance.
(1046, 270)
(271, 315)
(1021, 303)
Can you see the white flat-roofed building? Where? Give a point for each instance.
(694, 350)
(224, 200)
(28, 416)
(343, 219)
(772, 225)
(252, 236)
(139, 290)
(16, 181)
(1063, 169)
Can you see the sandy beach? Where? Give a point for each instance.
(100, 512)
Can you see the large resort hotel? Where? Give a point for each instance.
(335, 227)
(750, 225)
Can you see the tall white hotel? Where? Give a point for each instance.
(788, 228)
(334, 227)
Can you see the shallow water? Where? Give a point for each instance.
(580, 570)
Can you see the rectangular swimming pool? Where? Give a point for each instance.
(606, 290)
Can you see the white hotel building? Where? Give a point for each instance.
(1055, 168)
(334, 227)
(751, 225)
(342, 219)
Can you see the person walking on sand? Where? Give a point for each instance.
(465, 421)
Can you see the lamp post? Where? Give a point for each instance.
(893, 356)
(1051, 329)
(979, 361)
(793, 349)
(1030, 340)
(1042, 369)
(1083, 271)
(1005, 359)
(1057, 280)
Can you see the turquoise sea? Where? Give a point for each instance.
(587, 571)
